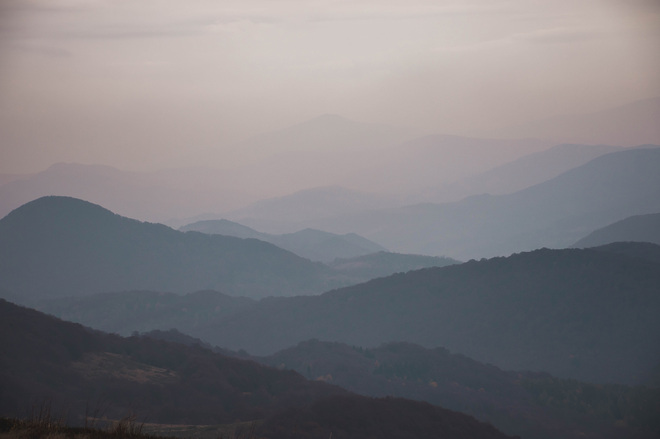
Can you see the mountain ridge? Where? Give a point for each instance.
(638, 228)
(554, 213)
(521, 173)
(312, 244)
(171, 383)
(547, 310)
(511, 401)
(73, 247)
(629, 124)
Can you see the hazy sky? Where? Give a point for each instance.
(137, 83)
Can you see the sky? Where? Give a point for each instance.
(139, 84)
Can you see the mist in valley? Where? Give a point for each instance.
(330, 219)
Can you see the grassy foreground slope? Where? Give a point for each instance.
(77, 370)
(531, 405)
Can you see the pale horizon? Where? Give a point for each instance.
(141, 85)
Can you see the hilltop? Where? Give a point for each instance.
(62, 246)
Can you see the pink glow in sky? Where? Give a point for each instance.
(140, 84)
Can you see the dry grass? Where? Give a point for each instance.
(239, 430)
(48, 428)
(43, 425)
(103, 364)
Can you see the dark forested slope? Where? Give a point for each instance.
(72, 369)
(531, 405)
(382, 264)
(384, 418)
(585, 314)
(128, 311)
(46, 360)
(315, 245)
(638, 228)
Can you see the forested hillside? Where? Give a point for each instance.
(584, 314)
(78, 372)
(60, 246)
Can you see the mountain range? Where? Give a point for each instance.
(397, 166)
(519, 174)
(92, 374)
(331, 151)
(282, 213)
(59, 246)
(129, 311)
(435, 160)
(315, 245)
(517, 403)
(630, 124)
(555, 213)
(62, 246)
(587, 314)
(168, 378)
(372, 161)
(169, 192)
(584, 314)
(638, 228)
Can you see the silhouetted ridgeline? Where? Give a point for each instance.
(641, 250)
(585, 314)
(125, 312)
(46, 359)
(531, 405)
(60, 246)
(74, 368)
(555, 213)
(315, 245)
(383, 264)
(638, 228)
(128, 311)
(521, 173)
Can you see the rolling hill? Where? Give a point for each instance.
(519, 174)
(638, 228)
(45, 359)
(584, 314)
(149, 196)
(513, 402)
(129, 311)
(281, 214)
(315, 245)
(383, 264)
(555, 213)
(321, 152)
(434, 160)
(60, 246)
(88, 373)
(634, 123)
(215, 186)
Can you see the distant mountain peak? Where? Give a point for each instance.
(76, 248)
(56, 204)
